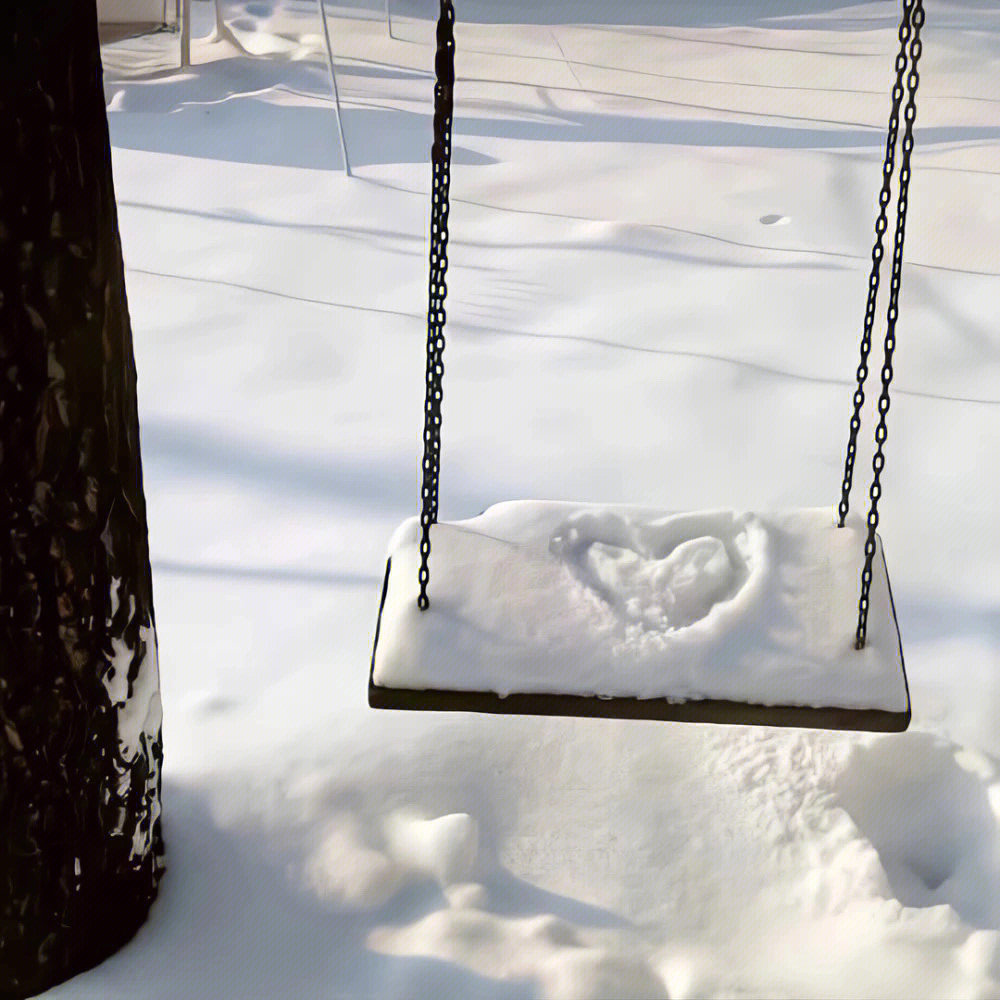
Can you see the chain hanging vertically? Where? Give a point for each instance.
(881, 223)
(881, 430)
(440, 183)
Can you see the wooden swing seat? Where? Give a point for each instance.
(551, 608)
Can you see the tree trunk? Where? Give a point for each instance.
(81, 851)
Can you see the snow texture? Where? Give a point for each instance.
(134, 691)
(568, 598)
(628, 323)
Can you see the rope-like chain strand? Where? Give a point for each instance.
(881, 430)
(881, 223)
(438, 289)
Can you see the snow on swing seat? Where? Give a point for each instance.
(554, 608)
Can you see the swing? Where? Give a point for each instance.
(738, 617)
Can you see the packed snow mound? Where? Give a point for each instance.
(614, 601)
(347, 871)
(542, 948)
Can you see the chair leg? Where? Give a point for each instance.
(185, 33)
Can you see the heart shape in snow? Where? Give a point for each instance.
(658, 576)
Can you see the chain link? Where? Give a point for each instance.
(881, 224)
(881, 430)
(438, 289)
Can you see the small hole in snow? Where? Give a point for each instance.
(775, 220)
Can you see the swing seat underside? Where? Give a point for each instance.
(551, 608)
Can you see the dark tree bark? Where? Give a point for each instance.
(81, 851)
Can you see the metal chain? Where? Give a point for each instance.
(440, 184)
(881, 431)
(881, 223)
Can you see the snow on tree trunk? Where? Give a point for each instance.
(81, 851)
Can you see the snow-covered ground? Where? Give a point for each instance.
(661, 232)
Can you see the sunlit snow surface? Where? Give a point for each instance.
(628, 323)
(575, 599)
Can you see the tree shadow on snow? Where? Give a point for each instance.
(250, 129)
(232, 110)
(511, 896)
(230, 926)
(170, 449)
(924, 620)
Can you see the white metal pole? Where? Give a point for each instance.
(333, 85)
(185, 33)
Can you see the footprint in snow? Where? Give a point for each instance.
(926, 807)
